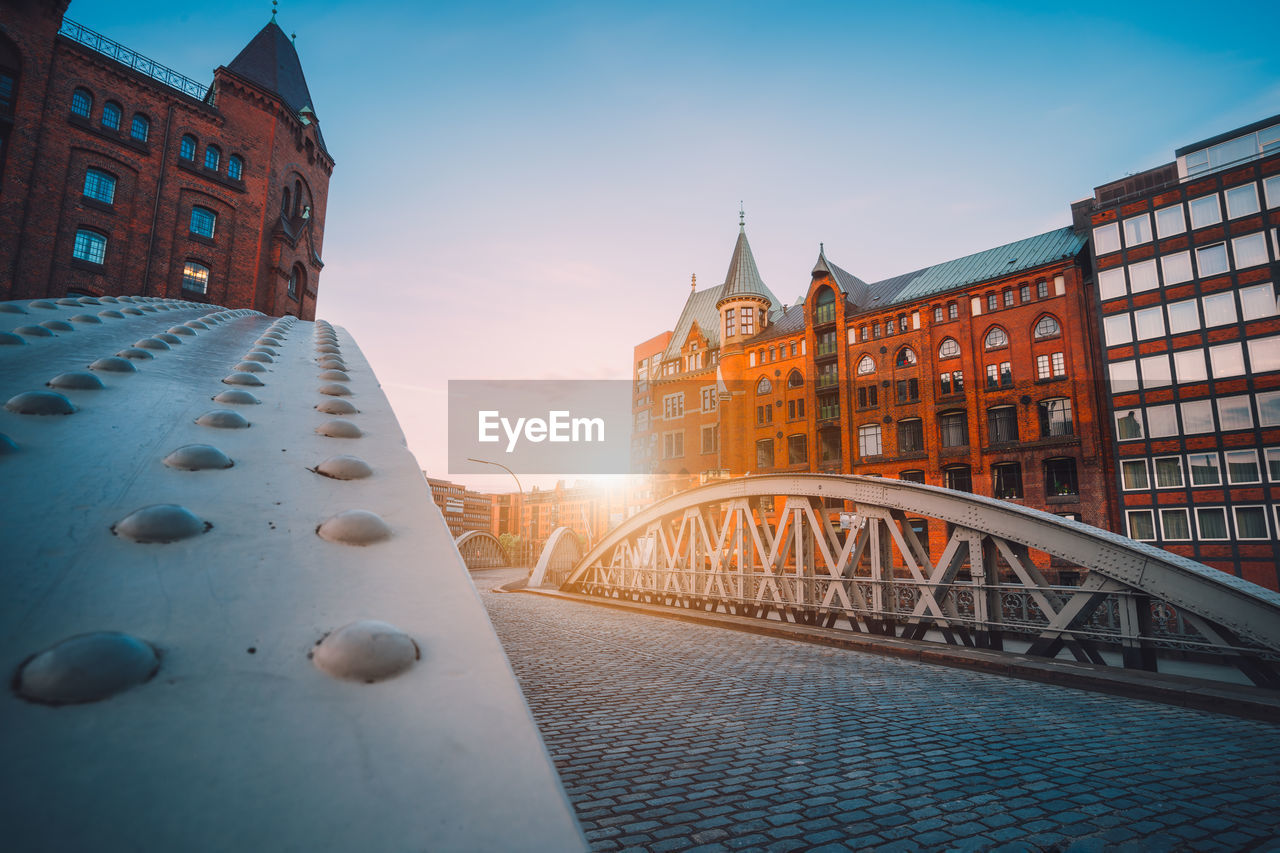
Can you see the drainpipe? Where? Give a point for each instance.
(155, 210)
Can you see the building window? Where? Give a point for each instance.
(672, 445)
(673, 406)
(1242, 467)
(1258, 301)
(914, 476)
(866, 366)
(953, 310)
(1042, 290)
(81, 103)
(794, 379)
(951, 383)
(90, 246)
(999, 376)
(1137, 230)
(195, 277)
(1249, 250)
(1128, 425)
(906, 357)
(993, 301)
(764, 386)
(958, 477)
(235, 168)
(875, 330)
(710, 438)
(938, 316)
(1205, 211)
(748, 317)
(1174, 524)
(829, 446)
(1008, 297)
(203, 221)
(1170, 221)
(1024, 293)
(1204, 469)
(140, 127)
(297, 281)
(1212, 522)
(99, 186)
(764, 454)
(187, 150)
(797, 449)
(764, 414)
(1055, 417)
(869, 440)
(996, 338)
(868, 396)
(1234, 413)
(111, 115)
(1133, 475)
(1168, 471)
(1060, 477)
(948, 348)
(1242, 201)
(908, 390)
(1002, 424)
(1141, 525)
(953, 429)
(1006, 480)
(911, 436)
(1251, 522)
(1047, 327)
(212, 157)
(1106, 239)
(1212, 260)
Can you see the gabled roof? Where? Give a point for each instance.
(271, 61)
(855, 289)
(786, 322)
(999, 262)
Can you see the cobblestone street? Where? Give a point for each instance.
(674, 736)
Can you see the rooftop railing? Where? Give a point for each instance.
(132, 59)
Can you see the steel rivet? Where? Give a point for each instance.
(42, 303)
(336, 406)
(112, 314)
(39, 403)
(107, 299)
(126, 299)
(355, 527)
(112, 364)
(344, 468)
(76, 380)
(265, 351)
(150, 309)
(367, 651)
(10, 308)
(331, 363)
(237, 397)
(223, 419)
(34, 331)
(335, 390)
(328, 348)
(159, 524)
(259, 357)
(86, 318)
(89, 300)
(58, 325)
(132, 312)
(169, 338)
(10, 339)
(337, 375)
(135, 354)
(250, 367)
(198, 457)
(240, 378)
(195, 324)
(151, 343)
(75, 302)
(183, 330)
(86, 668)
(339, 428)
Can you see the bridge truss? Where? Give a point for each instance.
(924, 563)
(481, 550)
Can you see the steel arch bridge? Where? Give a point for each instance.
(480, 549)
(765, 546)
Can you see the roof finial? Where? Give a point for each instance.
(822, 250)
(293, 37)
(693, 283)
(742, 217)
(274, 4)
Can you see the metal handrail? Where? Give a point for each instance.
(125, 56)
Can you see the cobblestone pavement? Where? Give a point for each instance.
(672, 736)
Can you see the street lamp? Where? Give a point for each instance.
(518, 486)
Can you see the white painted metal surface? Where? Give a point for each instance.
(240, 740)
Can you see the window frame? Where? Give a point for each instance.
(202, 215)
(97, 240)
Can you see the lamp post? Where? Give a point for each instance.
(520, 488)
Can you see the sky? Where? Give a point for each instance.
(523, 190)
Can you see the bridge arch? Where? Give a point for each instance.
(558, 558)
(480, 549)
(766, 546)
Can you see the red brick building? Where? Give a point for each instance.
(119, 176)
(976, 374)
(1187, 258)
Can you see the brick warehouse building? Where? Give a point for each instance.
(976, 374)
(119, 176)
(1186, 255)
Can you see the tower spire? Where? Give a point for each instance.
(274, 4)
(742, 217)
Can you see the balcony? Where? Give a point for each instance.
(824, 314)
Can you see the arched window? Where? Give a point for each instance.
(203, 221)
(996, 338)
(100, 186)
(866, 365)
(81, 103)
(824, 306)
(111, 113)
(1047, 327)
(90, 246)
(764, 386)
(195, 277)
(187, 151)
(235, 167)
(284, 206)
(795, 380)
(906, 357)
(212, 157)
(1006, 480)
(140, 129)
(297, 197)
(948, 348)
(297, 281)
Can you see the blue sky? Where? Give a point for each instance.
(523, 190)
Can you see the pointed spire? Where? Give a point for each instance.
(274, 4)
(821, 267)
(693, 282)
(743, 278)
(742, 219)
